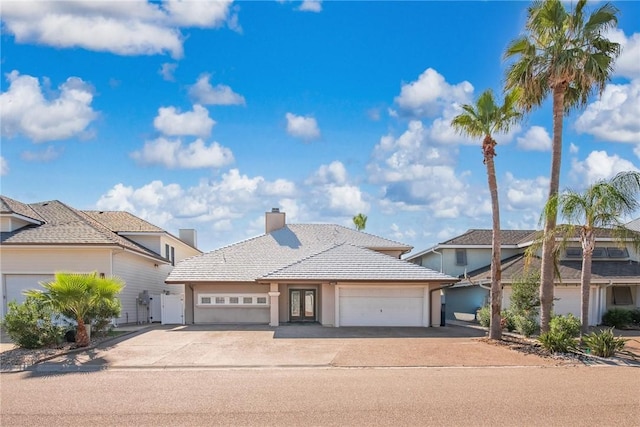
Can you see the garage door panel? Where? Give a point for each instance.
(16, 284)
(567, 300)
(381, 306)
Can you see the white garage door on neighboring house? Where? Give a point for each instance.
(16, 284)
(381, 306)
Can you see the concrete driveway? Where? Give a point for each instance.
(212, 346)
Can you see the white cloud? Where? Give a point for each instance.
(535, 139)
(431, 94)
(41, 156)
(4, 166)
(174, 155)
(203, 93)
(573, 148)
(135, 27)
(305, 127)
(599, 166)
(311, 6)
(335, 172)
(628, 63)
(25, 110)
(615, 116)
(166, 71)
(171, 122)
(526, 194)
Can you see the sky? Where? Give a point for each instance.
(207, 114)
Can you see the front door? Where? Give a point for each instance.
(302, 303)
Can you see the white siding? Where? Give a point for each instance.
(28, 260)
(139, 274)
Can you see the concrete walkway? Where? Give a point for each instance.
(212, 346)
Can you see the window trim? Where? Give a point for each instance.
(215, 298)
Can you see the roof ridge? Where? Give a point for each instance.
(306, 257)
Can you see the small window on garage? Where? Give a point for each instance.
(261, 300)
(618, 252)
(205, 300)
(247, 300)
(234, 300)
(622, 295)
(574, 252)
(461, 257)
(219, 300)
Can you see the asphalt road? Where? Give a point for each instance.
(480, 396)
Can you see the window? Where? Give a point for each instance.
(622, 295)
(173, 255)
(573, 252)
(231, 300)
(599, 253)
(618, 252)
(166, 251)
(461, 257)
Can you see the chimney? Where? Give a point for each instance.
(274, 220)
(188, 235)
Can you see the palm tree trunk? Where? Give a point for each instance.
(548, 246)
(588, 244)
(82, 339)
(495, 330)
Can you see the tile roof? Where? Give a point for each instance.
(255, 258)
(634, 225)
(570, 271)
(63, 225)
(349, 262)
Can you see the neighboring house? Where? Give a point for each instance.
(310, 273)
(40, 239)
(615, 278)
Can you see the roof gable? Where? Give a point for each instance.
(349, 262)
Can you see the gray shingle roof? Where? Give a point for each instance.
(570, 271)
(349, 262)
(63, 225)
(481, 237)
(8, 206)
(256, 258)
(120, 221)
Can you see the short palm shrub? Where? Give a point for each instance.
(618, 318)
(507, 320)
(562, 334)
(603, 343)
(33, 324)
(484, 316)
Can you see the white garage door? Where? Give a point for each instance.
(567, 300)
(381, 306)
(16, 284)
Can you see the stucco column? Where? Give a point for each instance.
(274, 308)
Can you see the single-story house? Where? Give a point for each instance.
(323, 273)
(41, 239)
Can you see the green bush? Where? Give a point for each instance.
(568, 324)
(618, 318)
(100, 318)
(557, 341)
(484, 316)
(603, 343)
(525, 295)
(635, 316)
(525, 325)
(507, 321)
(562, 334)
(33, 324)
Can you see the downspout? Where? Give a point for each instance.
(441, 258)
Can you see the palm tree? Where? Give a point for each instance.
(360, 221)
(482, 120)
(567, 56)
(78, 295)
(601, 205)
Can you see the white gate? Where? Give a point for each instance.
(172, 309)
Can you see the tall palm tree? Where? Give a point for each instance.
(482, 120)
(77, 295)
(565, 54)
(360, 221)
(601, 205)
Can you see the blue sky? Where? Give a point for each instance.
(205, 114)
